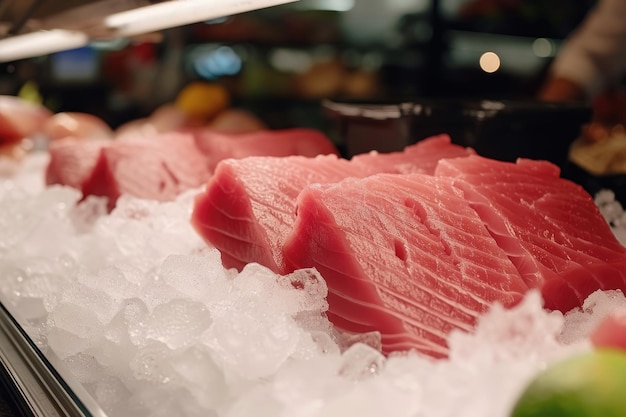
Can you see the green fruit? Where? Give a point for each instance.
(587, 385)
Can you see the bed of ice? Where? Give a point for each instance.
(141, 312)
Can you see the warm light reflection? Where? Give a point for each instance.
(489, 62)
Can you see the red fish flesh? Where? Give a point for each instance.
(20, 119)
(417, 159)
(248, 207)
(218, 146)
(72, 161)
(159, 168)
(548, 226)
(402, 254)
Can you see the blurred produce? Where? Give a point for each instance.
(201, 101)
(591, 384)
(198, 104)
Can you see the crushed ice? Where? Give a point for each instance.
(144, 316)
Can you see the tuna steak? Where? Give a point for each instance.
(402, 254)
(72, 161)
(421, 158)
(218, 146)
(158, 169)
(248, 207)
(549, 227)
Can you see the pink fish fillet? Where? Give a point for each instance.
(421, 158)
(402, 254)
(549, 227)
(72, 161)
(159, 168)
(248, 207)
(20, 118)
(218, 146)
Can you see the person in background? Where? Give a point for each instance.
(589, 67)
(592, 58)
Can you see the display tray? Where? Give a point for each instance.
(36, 385)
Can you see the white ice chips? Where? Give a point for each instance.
(144, 315)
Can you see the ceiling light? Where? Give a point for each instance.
(40, 43)
(178, 13)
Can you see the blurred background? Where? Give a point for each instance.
(280, 62)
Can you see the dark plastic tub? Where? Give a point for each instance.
(502, 130)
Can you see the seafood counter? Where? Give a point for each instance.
(199, 272)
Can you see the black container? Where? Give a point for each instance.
(504, 130)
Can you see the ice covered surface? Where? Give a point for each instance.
(143, 314)
(613, 212)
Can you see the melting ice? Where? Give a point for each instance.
(142, 313)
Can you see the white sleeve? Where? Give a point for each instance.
(595, 54)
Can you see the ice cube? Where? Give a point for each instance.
(156, 291)
(80, 321)
(85, 214)
(65, 343)
(347, 339)
(30, 308)
(84, 367)
(93, 300)
(251, 343)
(128, 325)
(193, 275)
(361, 361)
(579, 323)
(310, 290)
(509, 334)
(112, 395)
(257, 402)
(372, 398)
(178, 323)
(164, 401)
(112, 281)
(200, 376)
(151, 363)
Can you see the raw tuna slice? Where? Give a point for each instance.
(549, 227)
(20, 118)
(402, 254)
(288, 142)
(248, 207)
(159, 168)
(416, 159)
(72, 161)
